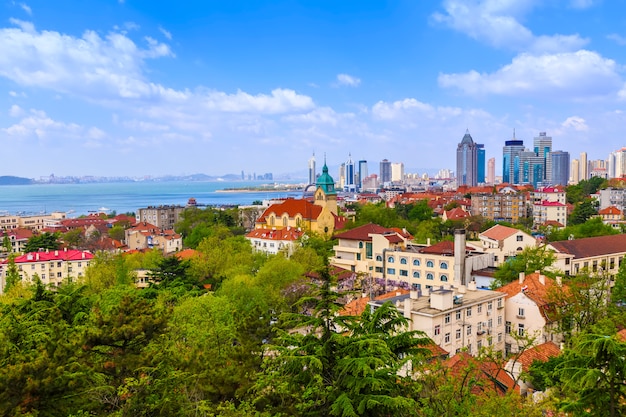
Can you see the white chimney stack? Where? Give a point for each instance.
(522, 275)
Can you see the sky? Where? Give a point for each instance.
(129, 87)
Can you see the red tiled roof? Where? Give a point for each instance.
(186, 254)
(611, 210)
(19, 233)
(546, 203)
(550, 190)
(59, 255)
(499, 232)
(292, 207)
(358, 306)
(363, 232)
(592, 246)
(541, 352)
(493, 378)
(442, 248)
(533, 289)
(287, 233)
(456, 214)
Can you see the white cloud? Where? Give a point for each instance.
(165, 33)
(16, 111)
(570, 75)
(389, 111)
(319, 116)
(26, 8)
(349, 80)
(577, 123)
(39, 125)
(618, 39)
(582, 4)
(280, 101)
(496, 23)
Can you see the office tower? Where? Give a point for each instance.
(467, 161)
(480, 166)
(542, 148)
(312, 176)
(532, 169)
(350, 172)
(397, 172)
(362, 173)
(385, 171)
(491, 171)
(575, 172)
(584, 169)
(511, 153)
(560, 168)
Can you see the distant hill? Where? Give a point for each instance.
(9, 180)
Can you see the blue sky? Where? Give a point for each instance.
(153, 87)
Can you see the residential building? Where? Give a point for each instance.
(595, 254)
(548, 205)
(491, 171)
(33, 222)
(393, 261)
(148, 236)
(507, 205)
(560, 168)
(397, 172)
(18, 238)
(612, 216)
(615, 197)
(52, 267)
(467, 161)
(163, 217)
(275, 241)
(617, 164)
(528, 313)
(455, 317)
(505, 242)
(584, 168)
(575, 172)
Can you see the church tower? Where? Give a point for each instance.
(325, 194)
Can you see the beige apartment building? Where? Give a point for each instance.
(595, 254)
(456, 318)
(504, 242)
(507, 205)
(163, 217)
(148, 236)
(52, 267)
(32, 222)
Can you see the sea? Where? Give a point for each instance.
(125, 197)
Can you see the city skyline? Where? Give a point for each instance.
(137, 88)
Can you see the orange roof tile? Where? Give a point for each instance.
(533, 289)
(499, 232)
(611, 210)
(286, 233)
(541, 352)
(292, 207)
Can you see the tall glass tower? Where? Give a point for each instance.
(467, 161)
(511, 161)
(312, 176)
(349, 185)
(542, 148)
(560, 168)
(480, 167)
(362, 173)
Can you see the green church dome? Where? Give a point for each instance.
(326, 182)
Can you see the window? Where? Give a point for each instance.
(499, 337)
(368, 250)
(490, 323)
(43, 276)
(59, 264)
(358, 256)
(430, 264)
(480, 308)
(59, 274)
(458, 334)
(507, 327)
(499, 302)
(285, 221)
(404, 273)
(468, 312)
(416, 262)
(391, 271)
(360, 245)
(379, 258)
(446, 338)
(520, 238)
(446, 318)
(437, 330)
(499, 320)
(520, 313)
(378, 269)
(390, 260)
(444, 278)
(520, 329)
(430, 276)
(403, 261)
(79, 264)
(32, 267)
(416, 274)
(479, 344)
(458, 315)
(469, 329)
(443, 265)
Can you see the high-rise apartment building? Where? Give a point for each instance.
(467, 161)
(312, 175)
(584, 168)
(616, 166)
(385, 171)
(397, 172)
(491, 171)
(575, 172)
(560, 168)
(511, 161)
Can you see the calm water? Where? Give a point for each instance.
(125, 197)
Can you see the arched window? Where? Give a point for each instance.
(444, 278)
(390, 260)
(285, 221)
(403, 261)
(519, 249)
(272, 220)
(379, 258)
(298, 221)
(416, 262)
(430, 276)
(360, 245)
(443, 265)
(430, 264)
(416, 274)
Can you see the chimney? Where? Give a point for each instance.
(414, 295)
(542, 279)
(56, 253)
(83, 254)
(408, 304)
(462, 289)
(522, 275)
(427, 241)
(471, 286)
(441, 299)
(426, 292)
(459, 256)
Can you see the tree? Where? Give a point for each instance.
(74, 238)
(6, 243)
(117, 232)
(12, 274)
(531, 259)
(594, 376)
(582, 212)
(45, 240)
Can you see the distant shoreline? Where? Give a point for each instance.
(260, 190)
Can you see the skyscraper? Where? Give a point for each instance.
(397, 171)
(480, 167)
(584, 169)
(312, 175)
(575, 172)
(385, 171)
(542, 149)
(467, 161)
(560, 168)
(350, 184)
(491, 171)
(362, 173)
(511, 160)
